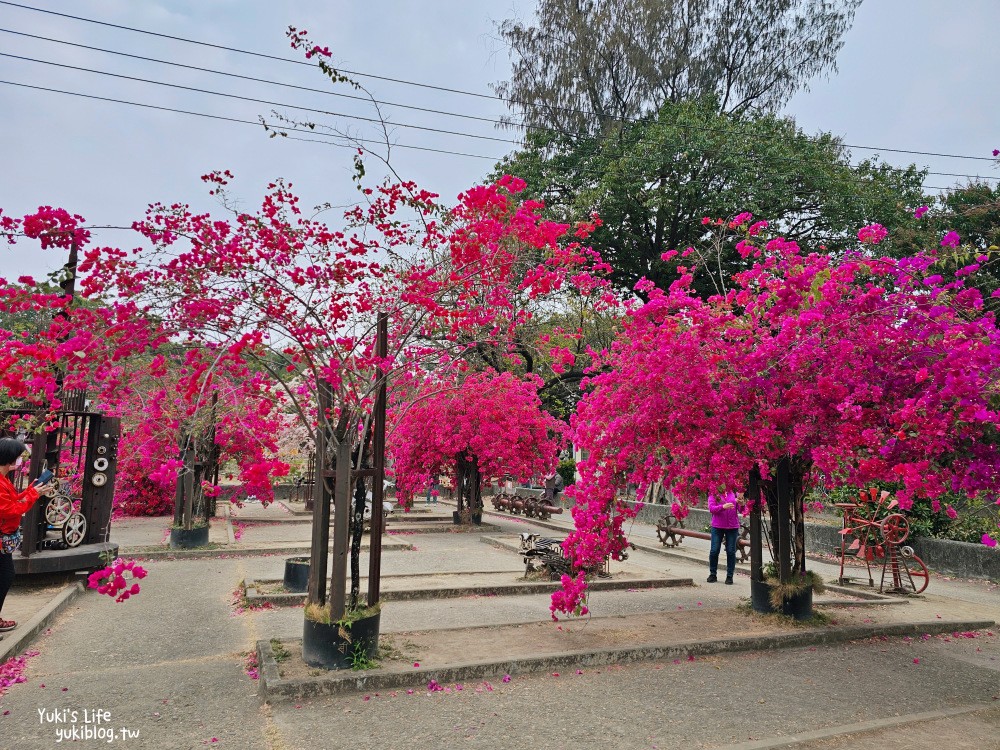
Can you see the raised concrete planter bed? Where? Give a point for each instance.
(413, 586)
(273, 687)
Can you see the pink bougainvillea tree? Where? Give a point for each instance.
(199, 403)
(126, 362)
(851, 369)
(471, 427)
(297, 300)
(48, 344)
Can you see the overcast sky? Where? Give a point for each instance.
(914, 75)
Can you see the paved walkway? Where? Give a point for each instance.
(169, 665)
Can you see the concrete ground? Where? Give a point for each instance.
(168, 668)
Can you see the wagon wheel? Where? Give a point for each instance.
(58, 509)
(895, 528)
(667, 537)
(74, 530)
(916, 570)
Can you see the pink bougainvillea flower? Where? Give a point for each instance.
(951, 239)
(740, 219)
(989, 541)
(112, 580)
(872, 234)
(506, 679)
(919, 213)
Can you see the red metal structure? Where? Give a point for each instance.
(879, 534)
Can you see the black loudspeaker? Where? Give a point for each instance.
(99, 476)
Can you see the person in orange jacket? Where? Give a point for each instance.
(13, 505)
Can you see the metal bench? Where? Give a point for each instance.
(531, 503)
(671, 532)
(548, 552)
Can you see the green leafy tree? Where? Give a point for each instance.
(587, 65)
(970, 211)
(654, 181)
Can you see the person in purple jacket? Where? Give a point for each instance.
(725, 526)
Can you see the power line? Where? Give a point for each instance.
(260, 101)
(237, 120)
(298, 87)
(247, 52)
(283, 129)
(431, 86)
(360, 117)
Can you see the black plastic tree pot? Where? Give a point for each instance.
(326, 647)
(296, 574)
(477, 517)
(799, 606)
(188, 538)
(760, 597)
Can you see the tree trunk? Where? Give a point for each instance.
(797, 486)
(323, 488)
(784, 493)
(468, 481)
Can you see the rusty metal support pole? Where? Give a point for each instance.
(341, 519)
(756, 547)
(784, 492)
(179, 490)
(54, 439)
(188, 489)
(33, 524)
(378, 451)
(319, 547)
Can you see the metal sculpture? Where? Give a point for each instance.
(671, 532)
(74, 518)
(548, 552)
(531, 503)
(879, 534)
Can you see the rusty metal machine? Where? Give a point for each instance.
(879, 530)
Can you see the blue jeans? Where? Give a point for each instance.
(730, 536)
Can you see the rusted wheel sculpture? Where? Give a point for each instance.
(895, 528)
(916, 573)
(667, 530)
